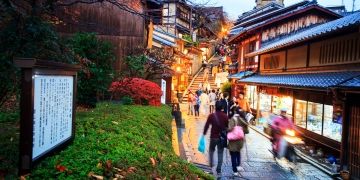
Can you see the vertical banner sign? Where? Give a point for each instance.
(47, 108)
(163, 89)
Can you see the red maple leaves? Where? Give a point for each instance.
(139, 89)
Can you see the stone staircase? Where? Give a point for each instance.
(195, 85)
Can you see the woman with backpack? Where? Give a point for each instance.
(237, 129)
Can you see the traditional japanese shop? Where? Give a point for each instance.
(316, 109)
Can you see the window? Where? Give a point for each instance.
(332, 126)
(282, 102)
(300, 113)
(265, 103)
(271, 62)
(252, 96)
(314, 117)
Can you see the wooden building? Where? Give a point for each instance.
(269, 24)
(315, 74)
(176, 17)
(123, 29)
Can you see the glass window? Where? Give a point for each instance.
(314, 120)
(265, 102)
(252, 96)
(300, 113)
(282, 102)
(332, 124)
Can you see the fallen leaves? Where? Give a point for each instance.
(153, 162)
(60, 168)
(92, 175)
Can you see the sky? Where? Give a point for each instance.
(234, 8)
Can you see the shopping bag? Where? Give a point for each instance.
(237, 133)
(202, 144)
(249, 117)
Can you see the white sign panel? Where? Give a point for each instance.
(53, 103)
(163, 89)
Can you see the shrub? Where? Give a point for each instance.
(96, 58)
(226, 87)
(140, 90)
(127, 100)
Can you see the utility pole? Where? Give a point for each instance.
(353, 6)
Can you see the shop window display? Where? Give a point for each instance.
(252, 96)
(300, 113)
(314, 117)
(332, 126)
(282, 102)
(265, 102)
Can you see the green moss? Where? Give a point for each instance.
(128, 136)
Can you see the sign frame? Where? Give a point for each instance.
(30, 68)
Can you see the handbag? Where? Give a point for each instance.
(237, 133)
(223, 134)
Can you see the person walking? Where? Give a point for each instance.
(243, 103)
(197, 105)
(190, 103)
(206, 74)
(235, 146)
(233, 106)
(212, 98)
(219, 122)
(204, 107)
(225, 103)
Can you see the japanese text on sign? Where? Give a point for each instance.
(53, 103)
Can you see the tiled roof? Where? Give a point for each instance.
(240, 75)
(311, 33)
(256, 11)
(163, 41)
(354, 83)
(308, 80)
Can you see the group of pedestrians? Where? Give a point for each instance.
(231, 118)
(229, 115)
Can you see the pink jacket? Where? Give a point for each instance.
(282, 123)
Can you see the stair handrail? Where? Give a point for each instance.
(194, 77)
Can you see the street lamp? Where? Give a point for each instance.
(178, 69)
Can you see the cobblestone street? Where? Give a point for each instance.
(256, 158)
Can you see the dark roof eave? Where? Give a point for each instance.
(284, 17)
(296, 43)
(288, 86)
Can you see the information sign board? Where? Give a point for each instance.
(47, 108)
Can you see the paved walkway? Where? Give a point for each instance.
(257, 160)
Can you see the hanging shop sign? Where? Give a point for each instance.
(48, 91)
(163, 89)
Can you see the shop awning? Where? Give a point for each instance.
(307, 80)
(240, 75)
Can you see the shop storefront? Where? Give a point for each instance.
(316, 111)
(312, 112)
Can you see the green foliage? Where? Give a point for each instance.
(135, 64)
(123, 136)
(226, 87)
(188, 38)
(9, 116)
(29, 38)
(127, 100)
(96, 59)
